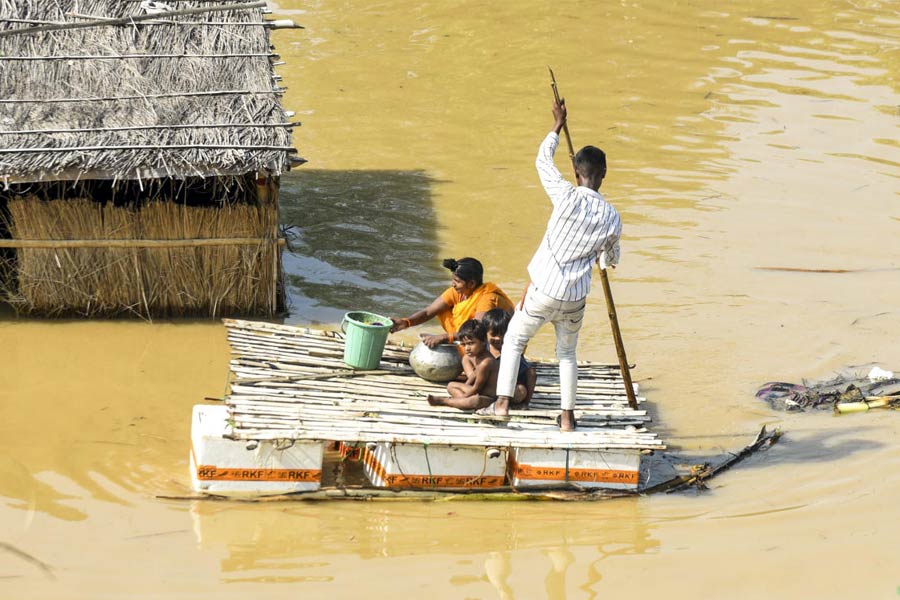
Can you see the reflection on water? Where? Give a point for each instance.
(100, 410)
(517, 546)
(363, 240)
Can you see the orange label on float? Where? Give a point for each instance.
(213, 473)
(406, 480)
(521, 471)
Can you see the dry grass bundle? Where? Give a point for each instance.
(157, 281)
(184, 95)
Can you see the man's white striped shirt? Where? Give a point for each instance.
(582, 227)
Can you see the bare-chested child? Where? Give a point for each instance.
(479, 369)
(496, 322)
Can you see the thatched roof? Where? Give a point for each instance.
(128, 93)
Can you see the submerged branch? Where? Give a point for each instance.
(700, 474)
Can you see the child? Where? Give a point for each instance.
(480, 368)
(495, 322)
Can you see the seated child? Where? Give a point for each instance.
(496, 321)
(480, 370)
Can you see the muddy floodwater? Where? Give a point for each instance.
(744, 140)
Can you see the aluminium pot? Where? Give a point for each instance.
(439, 364)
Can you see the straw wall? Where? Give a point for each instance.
(239, 276)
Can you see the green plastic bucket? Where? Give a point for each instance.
(364, 341)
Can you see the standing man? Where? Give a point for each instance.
(583, 229)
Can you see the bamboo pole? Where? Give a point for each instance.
(329, 375)
(561, 492)
(136, 243)
(253, 372)
(309, 406)
(617, 338)
(385, 386)
(131, 19)
(310, 409)
(284, 375)
(272, 188)
(384, 383)
(357, 427)
(161, 20)
(136, 56)
(604, 278)
(282, 334)
(391, 415)
(394, 415)
(150, 147)
(402, 408)
(363, 436)
(144, 96)
(284, 386)
(404, 411)
(202, 2)
(278, 301)
(150, 127)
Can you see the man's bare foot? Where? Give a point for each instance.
(436, 400)
(501, 406)
(566, 420)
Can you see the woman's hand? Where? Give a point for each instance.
(432, 340)
(399, 324)
(421, 316)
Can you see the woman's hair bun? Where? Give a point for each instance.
(466, 269)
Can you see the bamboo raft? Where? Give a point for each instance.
(290, 383)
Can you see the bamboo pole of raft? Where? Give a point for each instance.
(290, 383)
(291, 333)
(339, 404)
(604, 279)
(385, 386)
(250, 341)
(555, 492)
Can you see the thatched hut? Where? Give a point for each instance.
(141, 145)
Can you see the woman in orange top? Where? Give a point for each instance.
(468, 297)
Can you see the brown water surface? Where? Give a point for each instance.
(740, 136)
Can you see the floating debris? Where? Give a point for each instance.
(850, 391)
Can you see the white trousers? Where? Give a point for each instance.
(536, 309)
